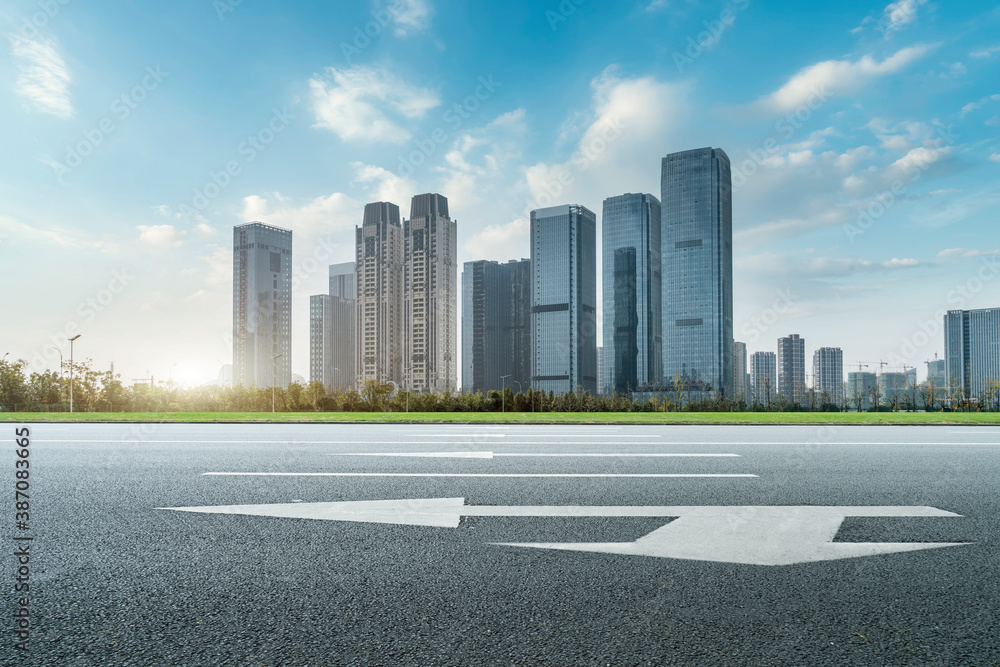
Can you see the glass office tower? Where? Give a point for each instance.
(564, 299)
(496, 325)
(262, 305)
(630, 239)
(331, 330)
(972, 353)
(697, 251)
(763, 377)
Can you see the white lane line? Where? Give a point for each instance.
(516, 435)
(635, 441)
(455, 474)
(490, 455)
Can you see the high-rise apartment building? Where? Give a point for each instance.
(697, 266)
(430, 296)
(262, 305)
(792, 368)
(379, 291)
(321, 339)
(972, 353)
(630, 236)
(828, 375)
(741, 380)
(331, 330)
(564, 299)
(763, 377)
(496, 325)
(600, 367)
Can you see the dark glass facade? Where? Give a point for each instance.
(630, 223)
(697, 251)
(564, 299)
(496, 325)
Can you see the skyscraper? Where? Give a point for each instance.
(763, 377)
(430, 296)
(972, 354)
(379, 289)
(262, 305)
(697, 260)
(828, 375)
(321, 339)
(564, 299)
(496, 325)
(331, 330)
(792, 368)
(343, 312)
(741, 379)
(630, 233)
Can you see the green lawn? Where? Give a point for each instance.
(973, 418)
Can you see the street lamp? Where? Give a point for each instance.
(274, 376)
(503, 393)
(71, 370)
(53, 347)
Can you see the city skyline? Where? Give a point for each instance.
(864, 157)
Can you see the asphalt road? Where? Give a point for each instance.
(115, 581)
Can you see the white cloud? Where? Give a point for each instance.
(500, 242)
(974, 106)
(410, 16)
(161, 236)
(325, 215)
(479, 159)
(986, 53)
(66, 237)
(43, 78)
(355, 102)
(634, 121)
(993, 122)
(899, 15)
(384, 185)
(995, 157)
(831, 77)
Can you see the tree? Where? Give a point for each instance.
(13, 389)
(375, 394)
(46, 388)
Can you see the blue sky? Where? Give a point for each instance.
(864, 138)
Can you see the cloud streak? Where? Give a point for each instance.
(43, 78)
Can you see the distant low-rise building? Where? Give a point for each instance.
(859, 389)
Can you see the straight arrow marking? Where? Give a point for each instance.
(766, 535)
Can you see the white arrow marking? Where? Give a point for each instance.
(490, 455)
(779, 535)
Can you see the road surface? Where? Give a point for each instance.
(271, 544)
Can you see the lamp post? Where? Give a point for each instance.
(274, 376)
(503, 393)
(71, 370)
(53, 347)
